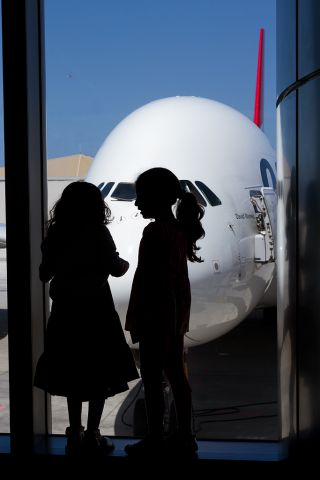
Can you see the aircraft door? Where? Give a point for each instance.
(264, 202)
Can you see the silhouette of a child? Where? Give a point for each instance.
(86, 357)
(159, 307)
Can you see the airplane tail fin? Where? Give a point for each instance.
(258, 105)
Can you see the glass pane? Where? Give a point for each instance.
(102, 65)
(210, 196)
(189, 187)
(125, 192)
(105, 188)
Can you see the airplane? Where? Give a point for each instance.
(227, 161)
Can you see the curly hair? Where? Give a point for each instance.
(80, 202)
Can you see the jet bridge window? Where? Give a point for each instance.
(124, 192)
(188, 186)
(105, 188)
(210, 196)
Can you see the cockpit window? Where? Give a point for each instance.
(210, 196)
(188, 186)
(124, 192)
(105, 188)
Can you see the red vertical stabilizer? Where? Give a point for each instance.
(258, 101)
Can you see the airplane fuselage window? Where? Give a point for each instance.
(124, 192)
(189, 187)
(210, 196)
(105, 188)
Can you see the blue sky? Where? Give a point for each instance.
(105, 58)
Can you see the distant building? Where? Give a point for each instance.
(71, 166)
(61, 171)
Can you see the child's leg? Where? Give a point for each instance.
(96, 407)
(175, 372)
(75, 431)
(74, 410)
(94, 442)
(151, 373)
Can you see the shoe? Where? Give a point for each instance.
(74, 440)
(146, 446)
(181, 444)
(95, 443)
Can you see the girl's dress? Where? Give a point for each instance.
(160, 300)
(85, 354)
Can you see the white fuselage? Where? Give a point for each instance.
(199, 140)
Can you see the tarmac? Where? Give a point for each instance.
(233, 380)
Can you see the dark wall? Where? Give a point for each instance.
(298, 139)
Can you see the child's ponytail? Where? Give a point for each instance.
(189, 214)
